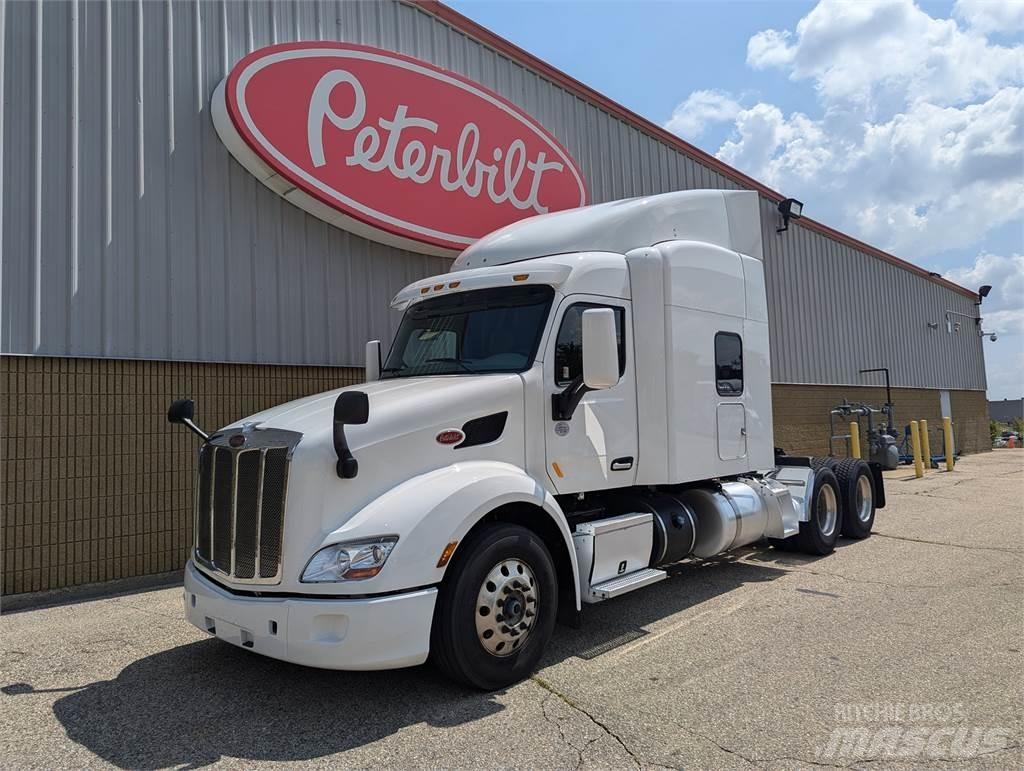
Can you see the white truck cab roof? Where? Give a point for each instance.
(725, 218)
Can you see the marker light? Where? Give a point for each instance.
(520, 276)
(446, 555)
(349, 561)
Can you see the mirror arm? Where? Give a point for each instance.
(347, 466)
(196, 430)
(564, 403)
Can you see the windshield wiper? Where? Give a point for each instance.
(450, 360)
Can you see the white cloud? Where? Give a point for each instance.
(918, 140)
(991, 16)
(701, 108)
(873, 53)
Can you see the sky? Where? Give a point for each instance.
(897, 122)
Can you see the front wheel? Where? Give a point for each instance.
(497, 608)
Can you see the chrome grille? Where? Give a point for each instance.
(240, 503)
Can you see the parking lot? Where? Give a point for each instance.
(903, 650)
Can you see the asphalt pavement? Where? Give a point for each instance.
(903, 651)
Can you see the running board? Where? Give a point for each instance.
(627, 583)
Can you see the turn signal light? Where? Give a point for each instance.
(446, 555)
(520, 276)
(438, 287)
(454, 284)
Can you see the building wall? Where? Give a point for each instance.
(801, 414)
(96, 485)
(128, 230)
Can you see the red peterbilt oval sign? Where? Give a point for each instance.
(390, 147)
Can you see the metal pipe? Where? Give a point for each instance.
(915, 444)
(926, 445)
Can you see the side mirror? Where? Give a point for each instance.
(353, 408)
(372, 361)
(600, 349)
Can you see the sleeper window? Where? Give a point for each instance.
(569, 345)
(728, 364)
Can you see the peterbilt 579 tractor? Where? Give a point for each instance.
(584, 399)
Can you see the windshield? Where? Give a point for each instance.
(486, 330)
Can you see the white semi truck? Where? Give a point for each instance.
(584, 399)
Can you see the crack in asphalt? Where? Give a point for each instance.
(853, 580)
(1005, 549)
(573, 705)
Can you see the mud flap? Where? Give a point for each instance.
(876, 476)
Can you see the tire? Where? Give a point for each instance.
(470, 641)
(857, 494)
(828, 462)
(818, 536)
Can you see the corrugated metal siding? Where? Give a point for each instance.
(129, 231)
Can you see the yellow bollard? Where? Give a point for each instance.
(854, 440)
(947, 431)
(926, 447)
(915, 443)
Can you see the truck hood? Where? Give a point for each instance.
(397, 405)
(398, 442)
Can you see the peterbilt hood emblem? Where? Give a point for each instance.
(450, 436)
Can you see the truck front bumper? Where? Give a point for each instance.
(372, 633)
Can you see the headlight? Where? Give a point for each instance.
(349, 561)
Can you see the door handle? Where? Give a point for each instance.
(743, 431)
(622, 464)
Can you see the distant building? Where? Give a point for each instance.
(1007, 410)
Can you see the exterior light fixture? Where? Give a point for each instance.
(789, 208)
(983, 292)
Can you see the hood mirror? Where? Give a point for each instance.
(352, 408)
(182, 411)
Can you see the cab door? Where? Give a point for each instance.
(595, 448)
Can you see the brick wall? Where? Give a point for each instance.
(801, 415)
(96, 485)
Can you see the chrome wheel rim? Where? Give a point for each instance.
(826, 510)
(506, 607)
(864, 498)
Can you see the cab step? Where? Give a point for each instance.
(627, 583)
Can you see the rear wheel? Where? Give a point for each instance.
(857, 489)
(497, 608)
(819, 534)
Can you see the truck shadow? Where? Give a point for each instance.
(196, 703)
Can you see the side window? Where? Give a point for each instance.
(728, 364)
(569, 343)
